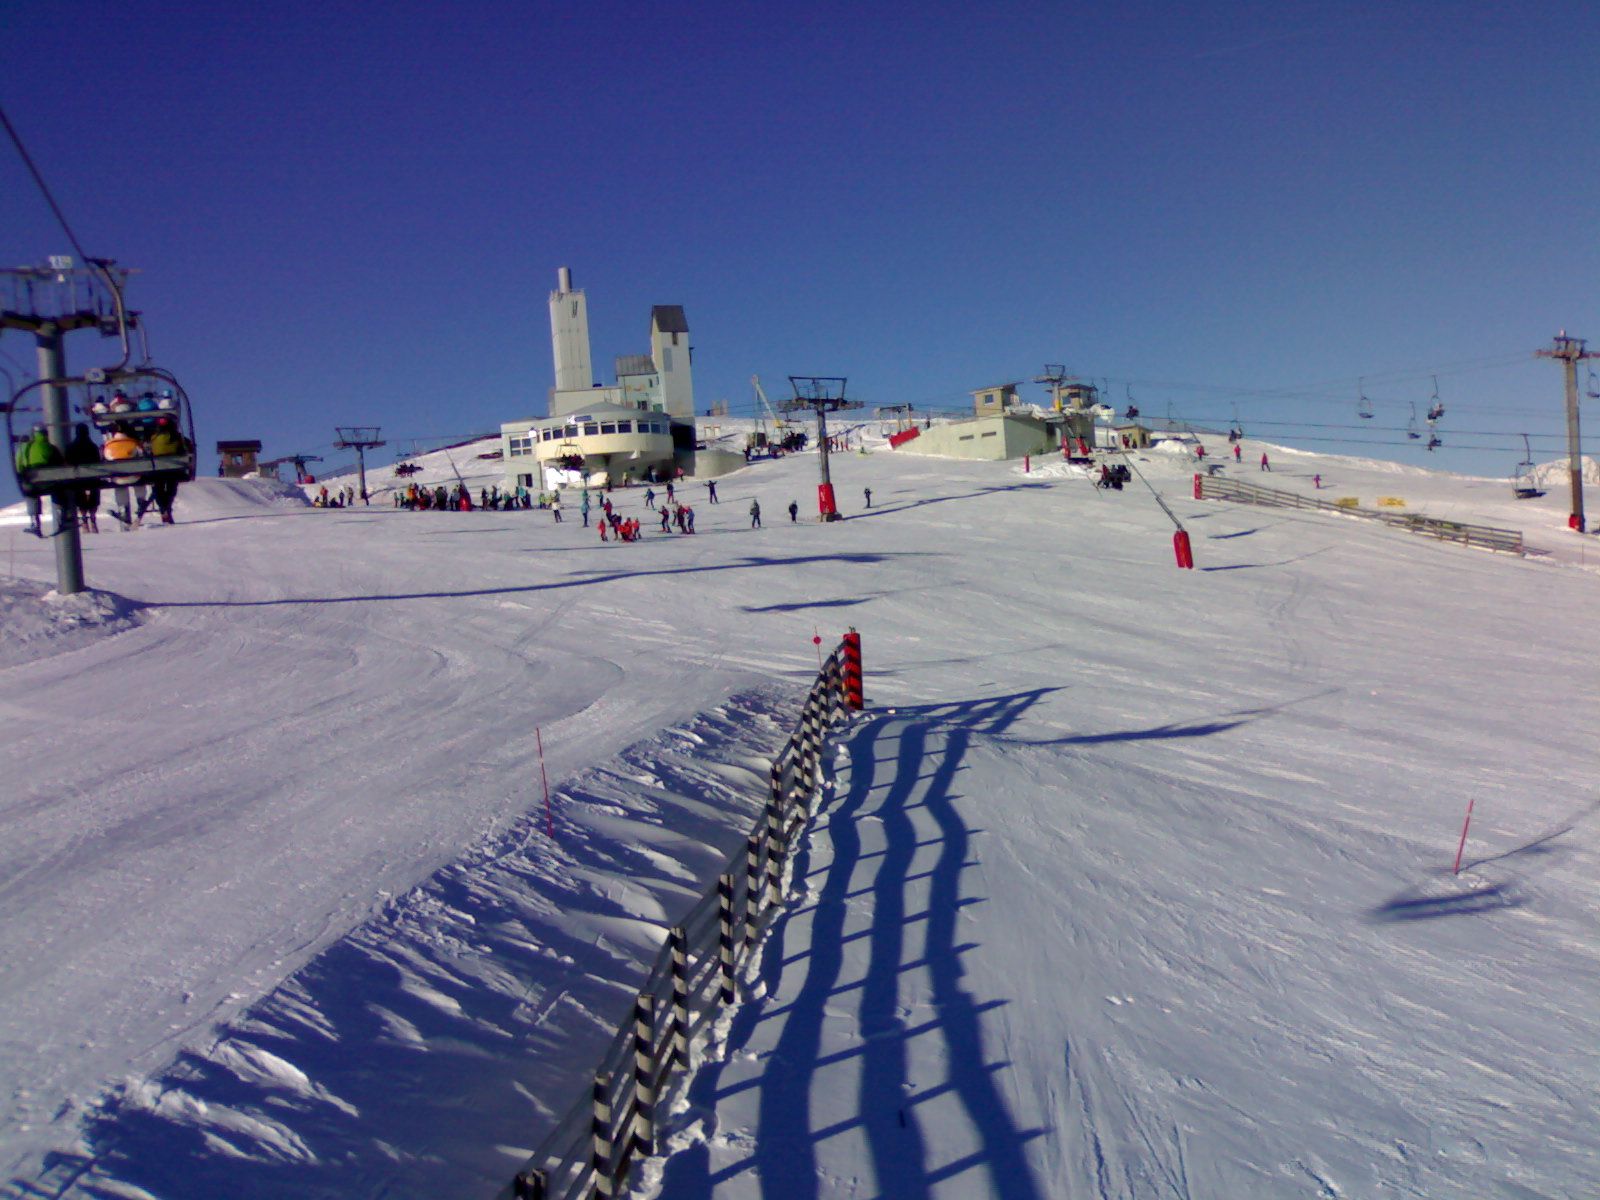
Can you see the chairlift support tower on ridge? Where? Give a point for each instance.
(820, 394)
(1571, 351)
(359, 438)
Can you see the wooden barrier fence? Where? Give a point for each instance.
(694, 977)
(1486, 537)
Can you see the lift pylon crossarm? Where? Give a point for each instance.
(362, 438)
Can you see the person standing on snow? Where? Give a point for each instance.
(1265, 466)
(867, 492)
(755, 514)
(555, 507)
(794, 511)
(1238, 452)
(711, 490)
(650, 498)
(584, 509)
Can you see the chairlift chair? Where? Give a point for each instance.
(1435, 405)
(1411, 428)
(1524, 484)
(1433, 442)
(1363, 405)
(108, 401)
(1593, 387)
(569, 455)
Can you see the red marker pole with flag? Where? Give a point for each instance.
(816, 640)
(549, 818)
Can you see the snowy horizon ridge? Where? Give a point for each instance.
(1134, 881)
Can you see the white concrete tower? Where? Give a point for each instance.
(569, 335)
(669, 347)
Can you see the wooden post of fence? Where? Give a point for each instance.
(644, 1074)
(725, 934)
(530, 1185)
(797, 788)
(836, 695)
(808, 748)
(678, 943)
(605, 1183)
(777, 850)
(752, 890)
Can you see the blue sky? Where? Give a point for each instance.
(353, 214)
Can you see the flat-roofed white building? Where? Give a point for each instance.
(606, 443)
(620, 433)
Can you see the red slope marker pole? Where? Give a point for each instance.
(816, 640)
(1463, 844)
(549, 820)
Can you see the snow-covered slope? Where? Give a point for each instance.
(1148, 868)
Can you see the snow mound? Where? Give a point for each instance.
(36, 621)
(210, 499)
(1554, 474)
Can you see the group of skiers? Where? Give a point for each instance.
(421, 498)
(154, 437)
(612, 525)
(344, 497)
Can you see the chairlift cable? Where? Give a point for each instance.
(1128, 459)
(44, 188)
(97, 264)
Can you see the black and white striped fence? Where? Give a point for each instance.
(694, 977)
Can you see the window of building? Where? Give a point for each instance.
(591, 430)
(624, 426)
(608, 427)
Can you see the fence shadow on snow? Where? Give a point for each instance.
(900, 766)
